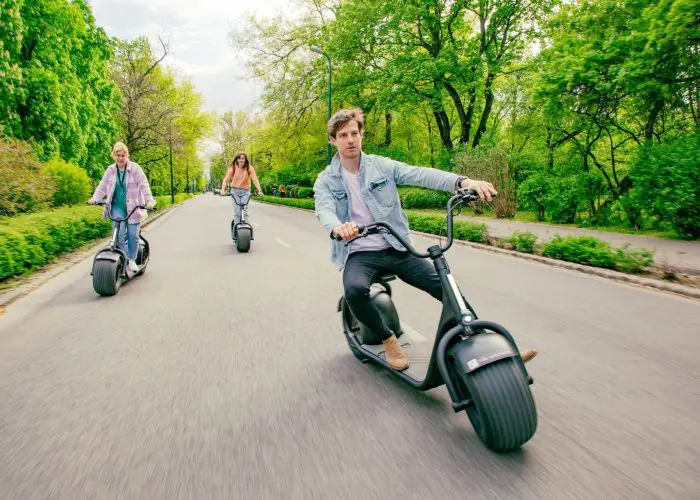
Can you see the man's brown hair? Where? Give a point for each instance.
(342, 117)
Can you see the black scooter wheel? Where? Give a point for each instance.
(503, 412)
(142, 259)
(243, 241)
(105, 277)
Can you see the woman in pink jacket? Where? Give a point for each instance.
(125, 186)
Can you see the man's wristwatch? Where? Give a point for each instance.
(459, 181)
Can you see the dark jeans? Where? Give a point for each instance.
(361, 269)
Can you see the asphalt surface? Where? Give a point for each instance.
(226, 375)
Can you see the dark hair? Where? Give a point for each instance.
(343, 117)
(234, 162)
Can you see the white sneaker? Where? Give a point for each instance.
(133, 267)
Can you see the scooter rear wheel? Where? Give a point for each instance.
(503, 410)
(105, 277)
(142, 259)
(351, 327)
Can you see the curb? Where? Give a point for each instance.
(683, 290)
(63, 263)
(572, 266)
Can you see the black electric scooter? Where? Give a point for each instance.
(241, 233)
(477, 360)
(109, 267)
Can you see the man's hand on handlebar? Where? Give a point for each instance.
(484, 189)
(346, 231)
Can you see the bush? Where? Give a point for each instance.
(415, 197)
(667, 178)
(435, 224)
(291, 202)
(24, 186)
(164, 200)
(305, 192)
(522, 241)
(72, 183)
(591, 251)
(31, 240)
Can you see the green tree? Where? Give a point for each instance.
(67, 98)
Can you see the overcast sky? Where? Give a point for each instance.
(198, 33)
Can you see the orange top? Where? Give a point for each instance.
(240, 178)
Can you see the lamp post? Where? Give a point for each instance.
(314, 48)
(172, 182)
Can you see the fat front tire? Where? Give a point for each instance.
(105, 277)
(503, 412)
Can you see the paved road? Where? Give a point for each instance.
(225, 375)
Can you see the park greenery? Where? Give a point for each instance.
(581, 112)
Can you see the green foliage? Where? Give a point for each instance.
(165, 201)
(308, 204)
(64, 99)
(32, 240)
(305, 192)
(73, 185)
(415, 197)
(24, 186)
(667, 179)
(11, 91)
(523, 241)
(293, 175)
(591, 251)
(435, 224)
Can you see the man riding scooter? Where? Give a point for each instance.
(357, 188)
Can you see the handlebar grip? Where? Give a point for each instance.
(360, 229)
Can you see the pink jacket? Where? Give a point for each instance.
(138, 191)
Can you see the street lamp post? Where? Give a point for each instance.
(314, 48)
(172, 182)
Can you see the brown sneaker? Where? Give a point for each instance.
(528, 355)
(395, 356)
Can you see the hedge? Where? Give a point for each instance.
(307, 203)
(591, 251)
(436, 224)
(416, 198)
(522, 241)
(31, 240)
(583, 250)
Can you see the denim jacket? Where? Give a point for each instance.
(379, 177)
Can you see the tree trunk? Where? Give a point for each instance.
(443, 123)
(488, 104)
(464, 119)
(387, 132)
(651, 121)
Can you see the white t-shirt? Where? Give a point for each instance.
(360, 214)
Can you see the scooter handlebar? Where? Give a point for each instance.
(137, 207)
(461, 196)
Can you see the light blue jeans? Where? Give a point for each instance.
(242, 196)
(128, 236)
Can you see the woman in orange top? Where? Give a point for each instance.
(240, 174)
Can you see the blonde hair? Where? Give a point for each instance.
(120, 146)
(342, 117)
